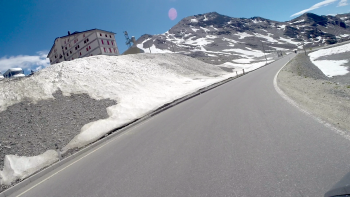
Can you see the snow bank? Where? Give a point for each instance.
(18, 168)
(331, 67)
(246, 67)
(139, 83)
(330, 51)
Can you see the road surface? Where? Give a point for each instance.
(240, 139)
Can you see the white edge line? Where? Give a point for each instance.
(292, 102)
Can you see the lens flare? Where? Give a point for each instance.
(172, 14)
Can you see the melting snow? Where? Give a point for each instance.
(214, 27)
(245, 52)
(289, 40)
(243, 61)
(243, 35)
(194, 29)
(331, 67)
(298, 21)
(205, 29)
(19, 168)
(268, 38)
(194, 20)
(205, 18)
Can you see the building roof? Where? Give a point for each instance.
(76, 32)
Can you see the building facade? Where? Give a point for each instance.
(83, 44)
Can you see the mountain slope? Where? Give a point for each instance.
(216, 38)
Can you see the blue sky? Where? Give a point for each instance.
(29, 27)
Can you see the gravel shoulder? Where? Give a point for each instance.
(312, 90)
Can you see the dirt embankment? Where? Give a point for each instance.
(312, 90)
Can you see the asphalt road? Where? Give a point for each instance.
(240, 139)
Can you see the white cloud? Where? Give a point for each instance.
(343, 3)
(316, 6)
(28, 62)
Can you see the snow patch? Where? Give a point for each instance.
(254, 53)
(246, 67)
(298, 21)
(205, 18)
(212, 26)
(205, 29)
(194, 29)
(243, 35)
(19, 168)
(229, 40)
(268, 38)
(331, 67)
(289, 41)
(194, 20)
(330, 51)
(243, 61)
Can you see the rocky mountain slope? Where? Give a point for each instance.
(215, 38)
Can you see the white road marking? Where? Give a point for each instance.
(292, 102)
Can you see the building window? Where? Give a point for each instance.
(87, 49)
(110, 50)
(78, 46)
(83, 35)
(107, 42)
(80, 53)
(66, 48)
(102, 42)
(114, 51)
(110, 36)
(70, 52)
(64, 42)
(100, 34)
(106, 35)
(112, 42)
(104, 49)
(67, 55)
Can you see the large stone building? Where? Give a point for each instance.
(83, 44)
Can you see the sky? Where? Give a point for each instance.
(28, 28)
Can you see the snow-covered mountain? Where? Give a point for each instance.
(215, 38)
